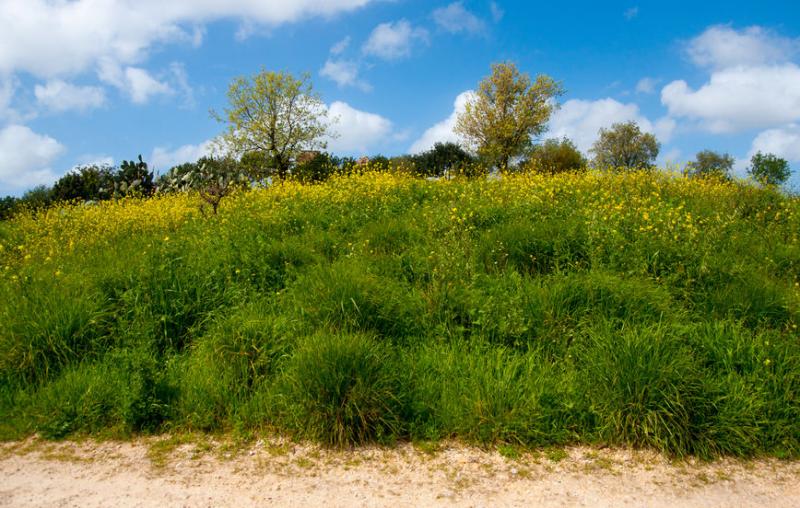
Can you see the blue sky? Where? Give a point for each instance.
(90, 81)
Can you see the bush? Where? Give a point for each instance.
(343, 389)
(644, 387)
(233, 360)
(555, 156)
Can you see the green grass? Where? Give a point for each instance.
(631, 310)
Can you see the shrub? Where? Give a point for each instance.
(343, 389)
(644, 387)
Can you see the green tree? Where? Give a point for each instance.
(275, 114)
(708, 163)
(506, 112)
(769, 169)
(317, 168)
(556, 156)
(441, 160)
(85, 183)
(624, 145)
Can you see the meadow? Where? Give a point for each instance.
(635, 309)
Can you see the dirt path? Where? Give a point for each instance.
(278, 473)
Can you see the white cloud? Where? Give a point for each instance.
(497, 12)
(162, 158)
(631, 13)
(59, 96)
(646, 85)
(339, 47)
(455, 19)
(8, 88)
(26, 157)
(91, 159)
(783, 142)
(392, 41)
(581, 121)
(344, 73)
(357, 131)
(137, 83)
(58, 38)
(739, 98)
(720, 47)
(442, 132)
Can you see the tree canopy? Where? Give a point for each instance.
(769, 169)
(708, 163)
(624, 145)
(506, 111)
(276, 115)
(556, 156)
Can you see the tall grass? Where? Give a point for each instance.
(631, 309)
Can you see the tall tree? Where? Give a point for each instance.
(711, 164)
(624, 145)
(275, 114)
(506, 112)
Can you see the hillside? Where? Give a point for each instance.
(629, 309)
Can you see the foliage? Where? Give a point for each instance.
(318, 168)
(133, 178)
(555, 156)
(711, 164)
(769, 169)
(625, 146)
(506, 112)
(85, 183)
(538, 310)
(8, 205)
(444, 159)
(344, 390)
(276, 115)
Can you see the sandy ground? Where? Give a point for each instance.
(198, 472)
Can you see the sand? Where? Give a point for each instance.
(166, 472)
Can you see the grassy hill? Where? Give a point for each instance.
(634, 309)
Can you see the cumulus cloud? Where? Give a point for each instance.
(456, 19)
(739, 98)
(356, 131)
(26, 157)
(752, 84)
(581, 121)
(58, 96)
(392, 41)
(344, 73)
(136, 82)
(8, 88)
(53, 39)
(721, 46)
(442, 132)
(783, 142)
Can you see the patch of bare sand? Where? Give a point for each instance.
(276, 472)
